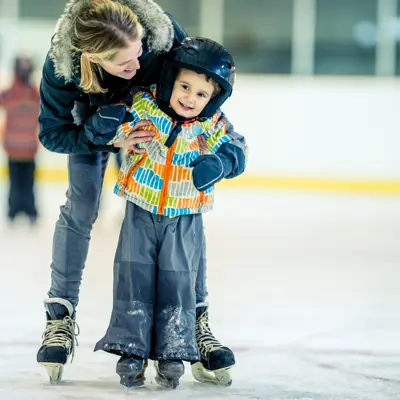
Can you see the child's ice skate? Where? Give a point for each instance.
(131, 370)
(215, 359)
(59, 338)
(169, 372)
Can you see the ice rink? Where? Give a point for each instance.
(304, 286)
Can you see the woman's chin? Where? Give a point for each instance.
(128, 74)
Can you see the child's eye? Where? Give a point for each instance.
(185, 87)
(201, 95)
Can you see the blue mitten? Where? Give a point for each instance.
(101, 127)
(209, 169)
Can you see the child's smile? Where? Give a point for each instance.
(185, 107)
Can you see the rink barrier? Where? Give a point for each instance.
(253, 181)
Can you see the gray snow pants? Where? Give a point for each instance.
(155, 268)
(72, 232)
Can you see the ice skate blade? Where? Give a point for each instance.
(221, 377)
(54, 371)
(168, 377)
(131, 381)
(129, 384)
(167, 383)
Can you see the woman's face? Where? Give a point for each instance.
(125, 62)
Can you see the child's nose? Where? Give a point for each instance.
(191, 97)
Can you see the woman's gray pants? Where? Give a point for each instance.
(155, 271)
(73, 228)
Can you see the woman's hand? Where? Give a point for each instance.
(136, 137)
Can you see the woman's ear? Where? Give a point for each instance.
(91, 58)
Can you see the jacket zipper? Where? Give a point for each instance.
(166, 178)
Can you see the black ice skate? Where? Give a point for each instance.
(131, 370)
(215, 359)
(59, 338)
(169, 372)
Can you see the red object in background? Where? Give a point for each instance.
(21, 104)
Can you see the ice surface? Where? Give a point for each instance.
(304, 287)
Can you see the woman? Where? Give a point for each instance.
(101, 50)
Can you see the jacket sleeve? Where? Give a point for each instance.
(234, 151)
(57, 130)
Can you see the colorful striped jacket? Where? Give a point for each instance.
(160, 181)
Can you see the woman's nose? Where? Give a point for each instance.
(134, 64)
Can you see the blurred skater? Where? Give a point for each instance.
(21, 105)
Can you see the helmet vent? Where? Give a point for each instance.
(191, 50)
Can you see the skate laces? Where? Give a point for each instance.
(62, 333)
(204, 337)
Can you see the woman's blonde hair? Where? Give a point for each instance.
(101, 29)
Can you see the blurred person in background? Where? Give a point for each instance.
(98, 54)
(21, 105)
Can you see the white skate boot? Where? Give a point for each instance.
(59, 337)
(215, 359)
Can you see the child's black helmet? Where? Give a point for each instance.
(201, 55)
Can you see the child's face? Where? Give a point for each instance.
(190, 94)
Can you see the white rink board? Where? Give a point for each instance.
(324, 127)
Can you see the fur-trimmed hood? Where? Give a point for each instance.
(158, 33)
